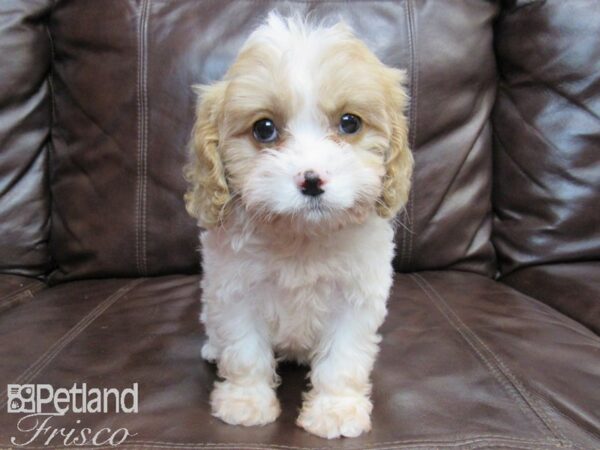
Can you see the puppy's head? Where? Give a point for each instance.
(307, 124)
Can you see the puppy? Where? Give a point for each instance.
(299, 164)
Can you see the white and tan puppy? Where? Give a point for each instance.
(299, 164)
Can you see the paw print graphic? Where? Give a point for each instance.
(21, 398)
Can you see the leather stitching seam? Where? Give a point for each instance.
(413, 120)
(30, 286)
(406, 246)
(142, 147)
(26, 292)
(46, 358)
(469, 443)
(507, 380)
(589, 433)
(146, 118)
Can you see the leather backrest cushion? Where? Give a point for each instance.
(124, 112)
(25, 116)
(547, 134)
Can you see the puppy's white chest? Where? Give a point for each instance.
(296, 318)
(294, 290)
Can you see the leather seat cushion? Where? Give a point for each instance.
(571, 288)
(465, 362)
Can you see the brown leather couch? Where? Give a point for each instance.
(491, 339)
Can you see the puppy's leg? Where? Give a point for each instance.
(339, 404)
(247, 394)
(210, 350)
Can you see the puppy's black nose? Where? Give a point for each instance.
(312, 184)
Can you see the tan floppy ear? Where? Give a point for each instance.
(208, 195)
(399, 159)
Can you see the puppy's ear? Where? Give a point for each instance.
(208, 195)
(399, 160)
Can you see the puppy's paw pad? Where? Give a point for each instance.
(209, 352)
(244, 405)
(332, 416)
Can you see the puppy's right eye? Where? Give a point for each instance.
(265, 131)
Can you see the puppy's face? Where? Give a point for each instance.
(307, 124)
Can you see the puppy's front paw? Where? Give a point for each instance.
(332, 416)
(244, 405)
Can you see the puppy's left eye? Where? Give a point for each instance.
(349, 124)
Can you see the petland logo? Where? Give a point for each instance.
(42, 403)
